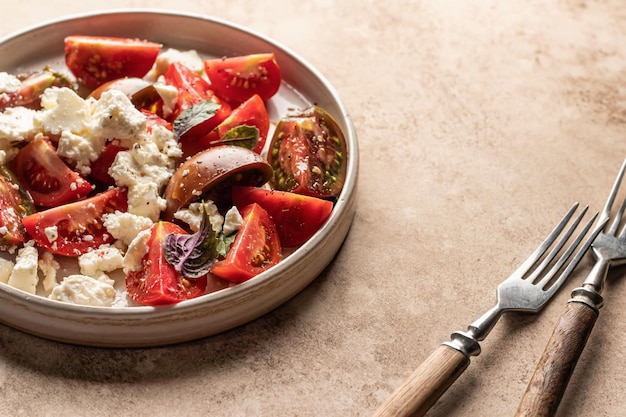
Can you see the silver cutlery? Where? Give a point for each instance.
(554, 369)
(528, 289)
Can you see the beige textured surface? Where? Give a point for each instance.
(479, 122)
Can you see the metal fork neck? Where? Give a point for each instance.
(597, 275)
(467, 342)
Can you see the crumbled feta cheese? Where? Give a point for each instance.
(84, 290)
(97, 262)
(169, 94)
(64, 111)
(192, 215)
(125, 226)
(6, 267)
(48, 267)
(52, 233)
(145, 171)
(82, 149)
(232, 221)
(166, 141)
(115, 116)
(17, 124)
(9, 83)
(190, 58)
(136, 251)
(24, 273)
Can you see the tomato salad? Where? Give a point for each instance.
(160, 166)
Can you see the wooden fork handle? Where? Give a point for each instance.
(552, 374)
(427, 383)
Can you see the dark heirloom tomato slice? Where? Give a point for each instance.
(255, 249)
(236, 79)
(252, 112)
(297, 217)
(14, 204)
(210, 174)
(95, 60)
(46, 177)
(308, 154)
(193, 89)
(157, 282)
(73, 229)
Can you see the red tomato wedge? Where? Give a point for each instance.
(297, 217)
(255, 249)
(31, 87)
(14, 204)
(236, 79)
(193, 89)
(46, 177)
(95, 60)
(73, 229)
(157, 282)
(251, 112)
(100, 167)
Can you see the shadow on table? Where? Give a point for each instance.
(245, 345)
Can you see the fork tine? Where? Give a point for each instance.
(543, 247)
(617, 220)
(606, 212)
(568, 253)
(557, 248)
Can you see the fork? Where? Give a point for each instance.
(527, 289)
(554, 369)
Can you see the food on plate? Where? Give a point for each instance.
(15, 203)
(155, 281)
(236, 79)
(211, 173)
(95, 60)
(137, 176)
(45, 176)
(307, 153)
(255, 249)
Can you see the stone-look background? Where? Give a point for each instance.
(480, 123)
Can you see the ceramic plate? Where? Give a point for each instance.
(218, 311)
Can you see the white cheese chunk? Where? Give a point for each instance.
(232, 221)
(97, 262)
(17, 124)
(125, 226)
(137, 249)
(6, 267)
(190, 58)
(192, 215)
(145, 171)
(64, 110)
(24, 273)
(169, 94)
(82, 149)
(84, 290)
(115, 116)
(48, 267)
(9, 83)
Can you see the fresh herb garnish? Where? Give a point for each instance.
(193, 255)
(244, 136)
(194, 115)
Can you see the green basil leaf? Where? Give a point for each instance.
(244, 136)
(194, 115)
